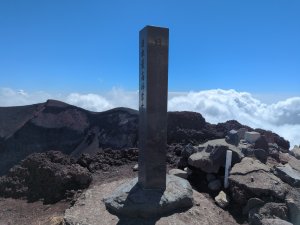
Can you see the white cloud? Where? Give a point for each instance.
(216, 106)
(91, 102)
(221, 105)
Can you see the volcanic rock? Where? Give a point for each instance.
(179, 173)
(232, 138)
(270, 210)
(130, 200)
(261, 143)
(135, 167)
(274, 222)
(260, 154)
(293, 203)
(107, 158)
(186, 152)
(252, 136)
(252, 203)
(271, 137)
(210, 177)
(222, 199)
(296, 152)
(251, 178)
(55, 125)
(213, 156)
(215, 185)
(241, 133)
(288, 175)
(47, 175)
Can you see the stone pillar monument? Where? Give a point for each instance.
(153, 97)
(153, 193)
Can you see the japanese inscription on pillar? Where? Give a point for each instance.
(153, 94)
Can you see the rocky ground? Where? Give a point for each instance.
(47, 186)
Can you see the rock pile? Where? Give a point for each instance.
(263, 182)
(50, 176)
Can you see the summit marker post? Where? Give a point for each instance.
(153, 97)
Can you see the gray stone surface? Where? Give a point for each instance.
(250, 178)
(130, 200)
(296, 152)
(293, 203)
(288, 175)
(153, 95)
(241, 133)
(248, 165)
(179, 173)
(213, 156)
(252, 136)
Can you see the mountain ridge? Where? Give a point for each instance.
(55, 125)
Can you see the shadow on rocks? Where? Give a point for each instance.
(135, 205)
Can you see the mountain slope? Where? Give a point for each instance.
(55, 125)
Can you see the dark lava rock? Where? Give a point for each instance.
(250, 178)
(270, 210)
(49, 176)
(275, 138)
(232, 137)
(252, 203)
(107, 158)
(261, 143)
(296, 152)
(288, 175)
(59, 126)
(189, 127)
(213, 156)
(229, 125)
(274, 222)
(260, 154)
(186, 152)
(293, 203)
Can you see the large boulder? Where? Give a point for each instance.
(293, 203)
(232, 137)
(131, 200)
(296, 152)
(251, 178)
(189, 127)
(50, 176)
(271, 137)
(186, 152)
(213, 156)
(288, 175)
(270, 210)
(252, 136)
(261, 143)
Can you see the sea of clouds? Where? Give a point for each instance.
(217, 105)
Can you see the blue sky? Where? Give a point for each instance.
(92, 46)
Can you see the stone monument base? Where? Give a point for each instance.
(130, 200)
